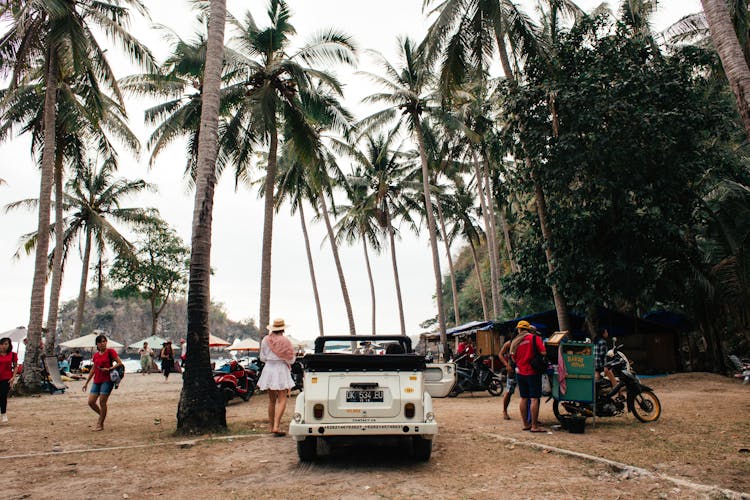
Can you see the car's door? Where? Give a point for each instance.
(439, 379)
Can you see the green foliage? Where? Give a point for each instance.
(157, 268)
(642, 135)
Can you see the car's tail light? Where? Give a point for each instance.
(318, 411)
(409, 410)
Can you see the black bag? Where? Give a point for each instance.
(117, 374)
(538, 362)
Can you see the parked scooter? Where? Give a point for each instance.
(238, 382)
(474, 375)
(639, 399)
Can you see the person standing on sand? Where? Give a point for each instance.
(277, 352)
(102, 387)
(167, 359)
(522, 349)
(510, 369)
(8, 365)
(147, 356)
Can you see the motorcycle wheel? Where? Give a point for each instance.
(495, 387)
(248, 394)
(560, 411)
(227, 393)
(645, 406)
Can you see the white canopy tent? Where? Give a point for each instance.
(154, 341)
(88, 342)
(247, 344)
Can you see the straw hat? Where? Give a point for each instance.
(277, 325)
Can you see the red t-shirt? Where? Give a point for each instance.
(6, 365)
(103, 360)
(524, 353)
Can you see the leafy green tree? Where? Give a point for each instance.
(156, 271)
(639, 136)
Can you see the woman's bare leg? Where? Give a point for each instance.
(280, 407)
(272, 396)
(102, 412)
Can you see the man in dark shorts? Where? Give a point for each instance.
(529, 381)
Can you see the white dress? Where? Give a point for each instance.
(276, 374)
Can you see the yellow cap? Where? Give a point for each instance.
(523, 325)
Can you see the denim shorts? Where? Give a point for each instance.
(511, 383)
(105, 388)
(530, 386)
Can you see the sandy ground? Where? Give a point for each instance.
(48, 450)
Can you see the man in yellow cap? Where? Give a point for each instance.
(529, 381)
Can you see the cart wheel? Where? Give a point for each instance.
(307, 449)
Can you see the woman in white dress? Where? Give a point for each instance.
(277, 352)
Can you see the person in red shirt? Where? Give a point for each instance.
(8, 364)
(101, 389)
(529, 382)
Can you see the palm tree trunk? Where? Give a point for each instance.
(392, 239)
(32, 377)
(482, 293)
(337, 260)
(491, 254)
(201, 408)
(82, 289)
(733, 59)
(372, 284)
(454, 288)
(312, 271)
(493, 229)
(57, 257)
(265, 270)
(433, 233)
(506, 235)
(541, 208)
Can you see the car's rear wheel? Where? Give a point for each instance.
(422, 448)
(307, 449)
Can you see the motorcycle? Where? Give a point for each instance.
(475, 375)
(639, 399)
(236, 382)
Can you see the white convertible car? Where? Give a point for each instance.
(348, 394)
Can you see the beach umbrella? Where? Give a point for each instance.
(88, 342)
(16, 334)
(153, 340)
(245, 345)
(214, 341)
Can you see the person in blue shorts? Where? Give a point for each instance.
(102, 386)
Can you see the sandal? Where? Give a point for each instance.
(538, 429)
(279, 433)
(526, 428)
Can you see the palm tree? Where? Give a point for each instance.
(93, 201)
(461, 214)
(87, 117)
(292, 183)
(732, 57)
(201, 407)
(359, 221)
(380, 165)
(405, 95)
(180, 80)
(59, 33)
(277, 82)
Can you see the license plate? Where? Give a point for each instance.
(364, 396)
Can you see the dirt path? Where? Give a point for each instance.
(700, 438)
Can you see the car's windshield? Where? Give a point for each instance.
(375, 347)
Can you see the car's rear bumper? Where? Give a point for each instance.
(301, 431)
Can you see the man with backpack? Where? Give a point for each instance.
(525, 347)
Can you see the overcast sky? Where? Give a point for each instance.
(238, 215)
